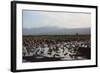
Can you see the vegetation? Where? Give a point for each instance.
(58, 37)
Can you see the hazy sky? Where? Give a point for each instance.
(36, 19)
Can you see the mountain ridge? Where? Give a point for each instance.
(55, 31)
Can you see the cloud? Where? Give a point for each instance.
(35, 19)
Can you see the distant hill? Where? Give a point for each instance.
(55, 31)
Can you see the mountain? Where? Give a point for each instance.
(55, 31)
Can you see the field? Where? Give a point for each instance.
(56, 47)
